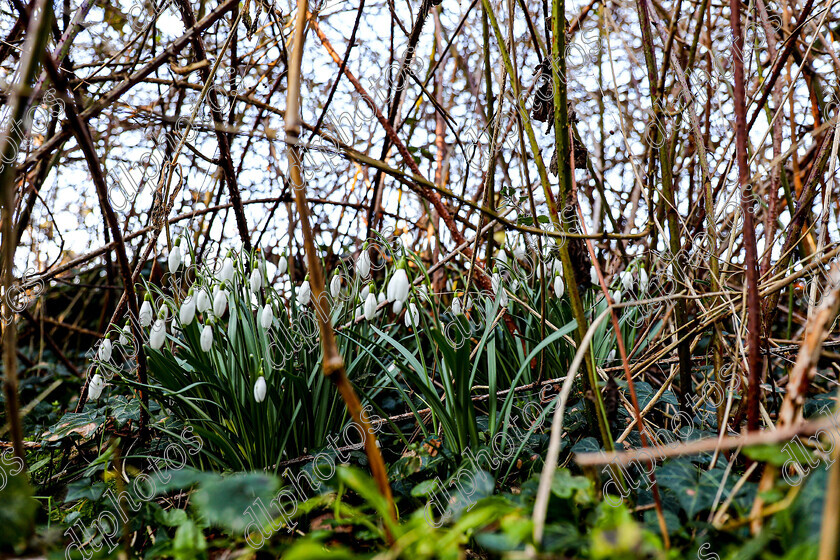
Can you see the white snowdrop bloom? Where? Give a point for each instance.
(627, 280)
(125, 333)
(95, 387)
(304, 293)
(203, 301)
(519, 251)
(412, 316)
(397, 307)
(360, 312)
(559, 287)
(364, 293)
(335, 286)
(282, 265)
(226, 274)
(514, 286)
(187, 311)
(105, 350)
(593, 275)
(380, 299)
(363, 263)
(158, 334)
(496, 283)
(503, 298)
(611, 355)
(220, 303)
(469, 303)
(174, 260)
(643, 281)
(398, 286)
(145, 314)
(557, 267)
(255, 280)
(370, 306)
(457, 307)
(206, 338)
(259, 389)
(267, 316)
(422, 291)
(163, 313)
(616, 296)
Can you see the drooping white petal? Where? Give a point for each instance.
(643, 281)
(593, 275)
(335, 286)
(255, 280)
(174, 260)
(95, 387)
(559, 287)
(282, 265)
(105, 350)
(206, 338)
(412, 316)
(220, 303)
(363, 264)
(158, 334)
(304, 293)
(145, 314)
(398, 286)
(397, 307)
(627, 280)
(203, 301)
(267, 316)
(226, 275)
(370, 307)
(260, 389)
(365, 291)
(187, 312)
(125, 333)
(457, 306)
(616, 296)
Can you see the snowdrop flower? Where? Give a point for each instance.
(559, 287)
(627, 280)
(266, 316)
(616, 296)
(158, 334)
(380, 299)
(282, 264)
(397, 307)
(611, 355)
(518, 252)
(125, 332)
(557, 267)
(360, 312)
(469, 303)
(365, 291)
(163, 313)
(187, 311)
(335, 286)
(643, 281)
(145, 314)
(514, 286)
(498, 289)
(305, 292)
(255, 280)
(206, 338)
(422, 291)
(363, 262)
(412, 316)
(174, 260)
(105, 350)
(220, 303)
(457, 307)
(259, 389)
(370, 306)
(226, 275)
(95, 387)
(203, 302)
(593, 275)
(398, 286)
